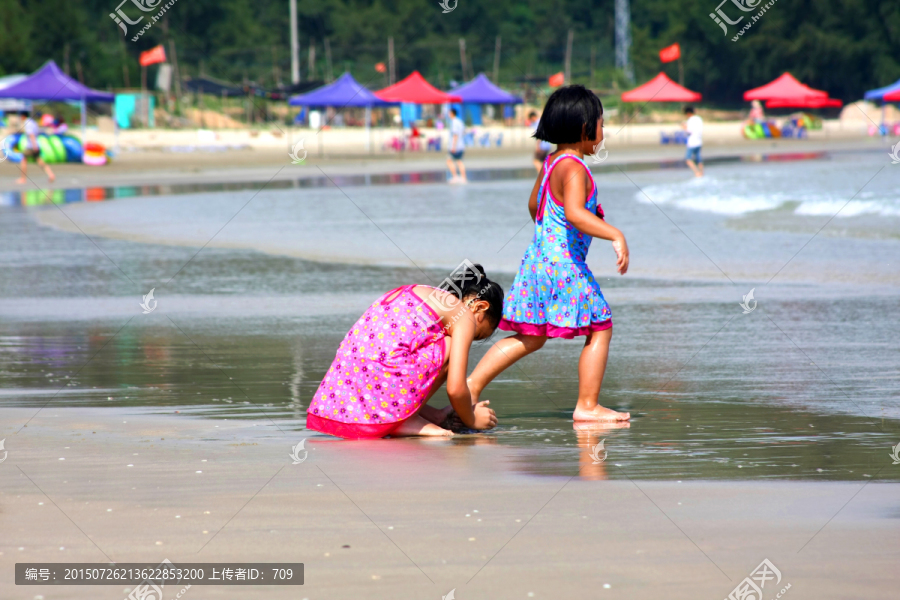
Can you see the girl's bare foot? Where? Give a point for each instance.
(599, 413)
(416, 425)
(20, 180)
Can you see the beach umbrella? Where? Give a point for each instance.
(51, 84)
(416, 90)
(481, 91)
(880, 93)
(785, 88)
(661, 89)
(345, 91)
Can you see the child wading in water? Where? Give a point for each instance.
(555, 294)
(400, 352)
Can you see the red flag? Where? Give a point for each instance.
(670, 53)
(557, 80)
(153, 56)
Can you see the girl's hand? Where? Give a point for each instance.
(621, 248)
(485, 418)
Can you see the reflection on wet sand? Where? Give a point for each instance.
(593, 452)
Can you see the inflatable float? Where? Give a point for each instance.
(56, 148)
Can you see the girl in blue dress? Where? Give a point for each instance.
(555, 294)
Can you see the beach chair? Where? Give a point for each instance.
(499, 141)
(469, 139)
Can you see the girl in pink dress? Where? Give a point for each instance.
(396, 356)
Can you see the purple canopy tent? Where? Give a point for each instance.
(345, 91)
(51, 84)
(481, 91)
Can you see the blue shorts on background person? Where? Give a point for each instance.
(693, 154)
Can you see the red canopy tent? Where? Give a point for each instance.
(892, 97)
(786, 91)
(661, 89)
(416, 90)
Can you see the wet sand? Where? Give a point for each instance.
(420, 517)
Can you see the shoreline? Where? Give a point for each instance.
(273, 165)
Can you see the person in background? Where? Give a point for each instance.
(757, 115)
(541, 148)
(694, 128)
(457, 130)
(31, 149)
(60, 126)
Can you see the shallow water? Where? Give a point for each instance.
(804, 386)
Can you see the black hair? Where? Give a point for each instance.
(688, 110)
(570, 116)
(453, 111)
(470, 281)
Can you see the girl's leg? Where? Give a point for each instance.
(591, 368)
(428, 418)
(500, 357)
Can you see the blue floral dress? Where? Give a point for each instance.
(555, 293)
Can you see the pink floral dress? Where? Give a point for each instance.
(383, 371)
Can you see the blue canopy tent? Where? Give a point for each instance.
(343, 92)
(51, 84)
(481, 91)
(879, 94)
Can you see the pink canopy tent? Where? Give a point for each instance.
(661, 89)
(417, 90)
(786, 91)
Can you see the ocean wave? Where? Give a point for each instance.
(735, 197)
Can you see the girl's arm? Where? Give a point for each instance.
(533, 199)
(574, 196)
(478, 416)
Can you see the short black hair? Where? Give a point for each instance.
(571, 115)
(688, 110)
(453, 111)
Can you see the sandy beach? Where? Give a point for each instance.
(412, 519)
(755, 435)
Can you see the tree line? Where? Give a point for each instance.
(843, 47)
